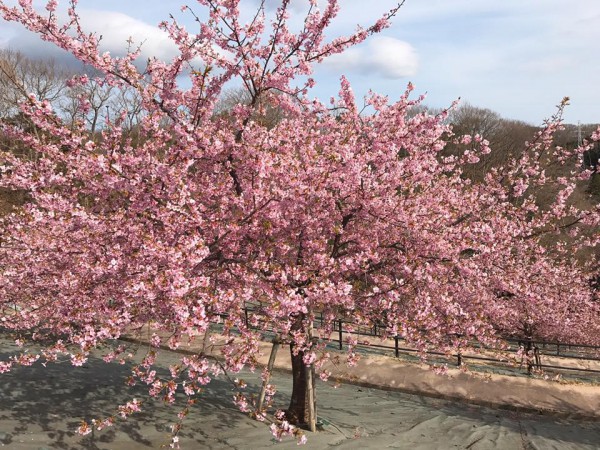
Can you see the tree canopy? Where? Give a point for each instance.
(328, 210)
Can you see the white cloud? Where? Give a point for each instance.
(382, 56)
(116, 28)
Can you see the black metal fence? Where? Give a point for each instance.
(536, 351)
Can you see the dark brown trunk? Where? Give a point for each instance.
(298, 411)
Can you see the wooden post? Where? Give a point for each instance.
(312, 419)
(396, 349)
(316, 414)
(261, 398)
(340, 334)
(310, 385)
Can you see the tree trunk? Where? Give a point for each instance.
(299, 411)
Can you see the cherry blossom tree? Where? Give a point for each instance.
(331, 210)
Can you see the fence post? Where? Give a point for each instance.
(557, 349)
(528, 353)
(396, 349)
(246, 316)
(340, 333)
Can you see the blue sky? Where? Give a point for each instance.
(516, 57)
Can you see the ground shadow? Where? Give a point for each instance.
(48, 403)
(51, 402)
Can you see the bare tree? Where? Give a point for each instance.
(505, 137)
(21, 76)
(89, 103)
(265, 111)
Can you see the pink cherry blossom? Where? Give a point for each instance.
(328, 211)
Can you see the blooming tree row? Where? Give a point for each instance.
(328, 211)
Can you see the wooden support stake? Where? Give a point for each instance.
(310, 386)
(312, 413)
(261, 398)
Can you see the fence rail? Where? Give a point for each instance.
(537, 350)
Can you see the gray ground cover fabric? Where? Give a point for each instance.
(40, 408)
